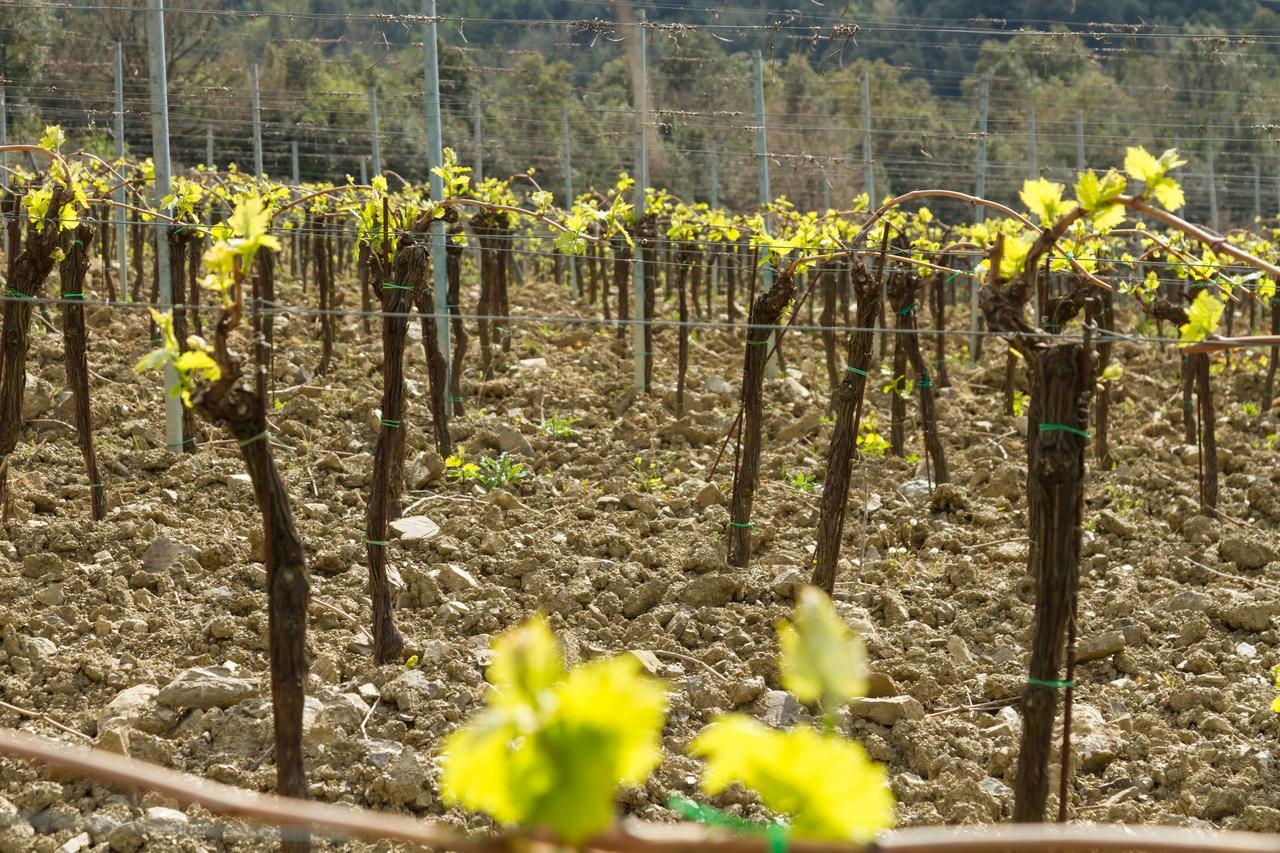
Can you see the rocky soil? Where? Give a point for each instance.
(146, 633)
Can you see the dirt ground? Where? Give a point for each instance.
(98, 621)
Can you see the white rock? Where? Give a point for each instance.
(456, 579)
(889, 711)
(411, 528)
(204, 688)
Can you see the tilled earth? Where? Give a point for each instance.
(146, 633)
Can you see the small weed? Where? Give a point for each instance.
(903, 386)
(870, 442)
(645, 478)
(559, 426)
(802, 481)
(1250, 410)
(490, 472)
(1020, 403)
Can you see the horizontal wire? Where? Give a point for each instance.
(275, 309)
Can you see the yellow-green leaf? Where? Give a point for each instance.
(551, 748)
(526, 661)
(827, 785)
(1044, 199)
(822, 661)
(1202, 318)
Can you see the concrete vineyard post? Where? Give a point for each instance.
(477, 139)
(1033, 165)
(762, 170)
(1213, 189)
(257, 121)
(980, 190)
(1080, 155)
(435, 159)
(375, 143)
(160, 155)
(640, 87)
(714, 167)
(868, 163)
(1257, 193)
(122, 238)
(4, 158)
(567, 165)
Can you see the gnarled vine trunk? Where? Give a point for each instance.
(72, 269)
(765, 313)
(847, 404)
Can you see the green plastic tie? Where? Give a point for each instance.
(924, 383)
(1083, 433)
(245, 442)
(390, 286)
(858, 370)
(390, 424)
(381, 543)
(953, 275)
(18, 294)
(1056, 685)
(1188, 403)
(709, 816)
(96, 486)
(742, 524)
(904, 311)
(73, 296)
(191, 439)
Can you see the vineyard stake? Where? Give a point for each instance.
(4, 158)
(257, 121)
(1213, 191)
(975, 339)
(1080, 155)
(868, 164)
(477, 169)
(567, 165)
(160, 147)
(435, 159)
(714, 166)
(762, 169)
(1033, 166)
(376, 143)
(640, 87)
(122, 238)
(1257, 195)
(295, 261)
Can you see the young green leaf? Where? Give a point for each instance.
(551, 748)
(827, 784)
(1044, 199)
(822, 661)
(1202, 318)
